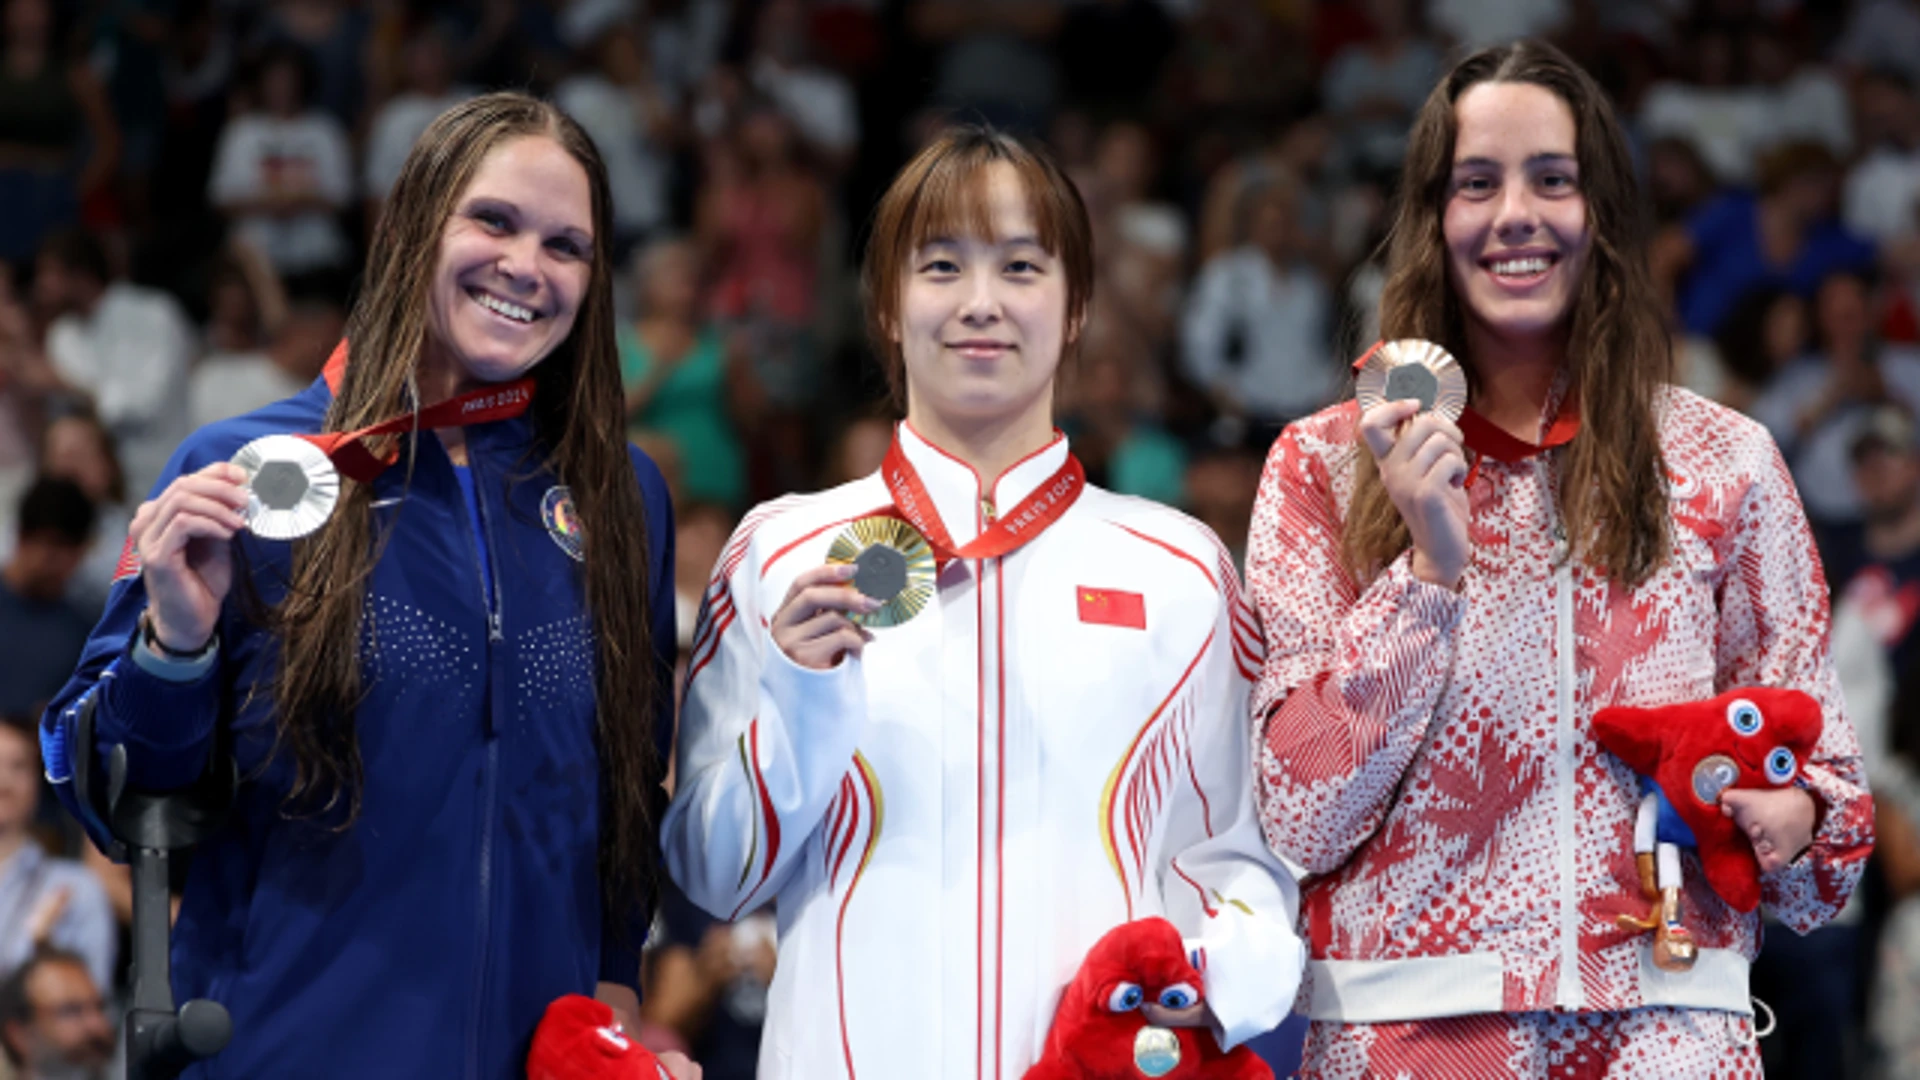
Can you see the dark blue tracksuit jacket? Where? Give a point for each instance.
(426, 940)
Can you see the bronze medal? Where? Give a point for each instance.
(893, 563)
(1415, 369)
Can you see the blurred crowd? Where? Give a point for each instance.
(187, 189)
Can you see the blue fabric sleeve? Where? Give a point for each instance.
(167, 726)
(620, 962)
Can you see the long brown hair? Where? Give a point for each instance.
(942, 192)
(578, 424)
(1611, 477)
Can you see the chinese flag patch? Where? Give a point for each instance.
(1112, 607)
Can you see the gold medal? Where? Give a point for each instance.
(291, 486)
(895, 565)
(1416, 369)
(1156, 1051)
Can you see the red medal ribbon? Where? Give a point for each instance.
(1003, 534)
(1487, 440)
(347, 449)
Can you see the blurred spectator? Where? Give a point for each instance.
(53, 117)
(818, 100)
(1373, 87)
(1815, 407)
(1764, 333)
(124, 346)
(44, 631)
(684, 40)
(427, 91)
(993, 58)
(859, 450)
(77, 447)
(1112, 53)
(1787, 237)
(283, 173)
(706, 984)
(1894, 999)
(53, 1020)
(1257, 330)
(1805, 102)
(44, 900)
(616, 98)
(1221, 485)
(675, 368)
(1882, 34)
(1874, 564)
(230, 384)
(1678, 180)
(761, 216)
(245, 302)
(1470, 24)
(25, 376)
(1110, 412)
(1712, 107)
(1884, 184)
(332, 36)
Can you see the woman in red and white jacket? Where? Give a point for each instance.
(1446, 606)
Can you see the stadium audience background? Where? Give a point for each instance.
(189, 187)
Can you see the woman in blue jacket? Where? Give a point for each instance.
(451, 702)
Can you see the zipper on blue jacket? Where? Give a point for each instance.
(489, 575)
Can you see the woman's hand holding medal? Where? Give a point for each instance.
(812, 626)
(185, 560)
(1423, 464)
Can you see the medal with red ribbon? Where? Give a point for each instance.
(293, 481)
(898, 554)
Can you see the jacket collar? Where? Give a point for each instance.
(958, 491)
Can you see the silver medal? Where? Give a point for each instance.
(291, 484)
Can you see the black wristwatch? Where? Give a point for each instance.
(160, 649)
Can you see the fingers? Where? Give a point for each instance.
(823, 589)
(1380, 425)
(677, 1066)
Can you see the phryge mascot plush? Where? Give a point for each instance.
(578, 1039)
(1752, 737)
(1115, 1020)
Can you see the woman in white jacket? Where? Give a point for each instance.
(1049, 739)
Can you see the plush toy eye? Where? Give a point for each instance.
(1780, 765)
(1178, 996)
(1125, 998)
(1745, 717)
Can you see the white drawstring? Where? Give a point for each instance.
(1771, 1024)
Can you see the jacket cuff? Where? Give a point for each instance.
(166, 723)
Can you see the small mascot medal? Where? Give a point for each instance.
(894, 564)
(291, 484)
(1156, 1051)
(1416, 369)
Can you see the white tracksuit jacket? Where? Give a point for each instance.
(946, 824)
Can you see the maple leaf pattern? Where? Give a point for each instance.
(1411, 752)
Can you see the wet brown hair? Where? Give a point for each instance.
(942, 192)
(579, 429)
(1611, 478)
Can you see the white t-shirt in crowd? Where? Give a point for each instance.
(258, 155)
(228, 384)
(1881, 193)
(396, 127)
(636, 169)
(131, 354)
(1281, 317)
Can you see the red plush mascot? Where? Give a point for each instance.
(579, 1040)
(1115, 1021)
(1753, 737)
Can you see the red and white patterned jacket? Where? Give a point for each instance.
(1426, 755)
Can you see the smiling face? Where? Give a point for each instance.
(983, 319)
(1515, 224)
(516, 256)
